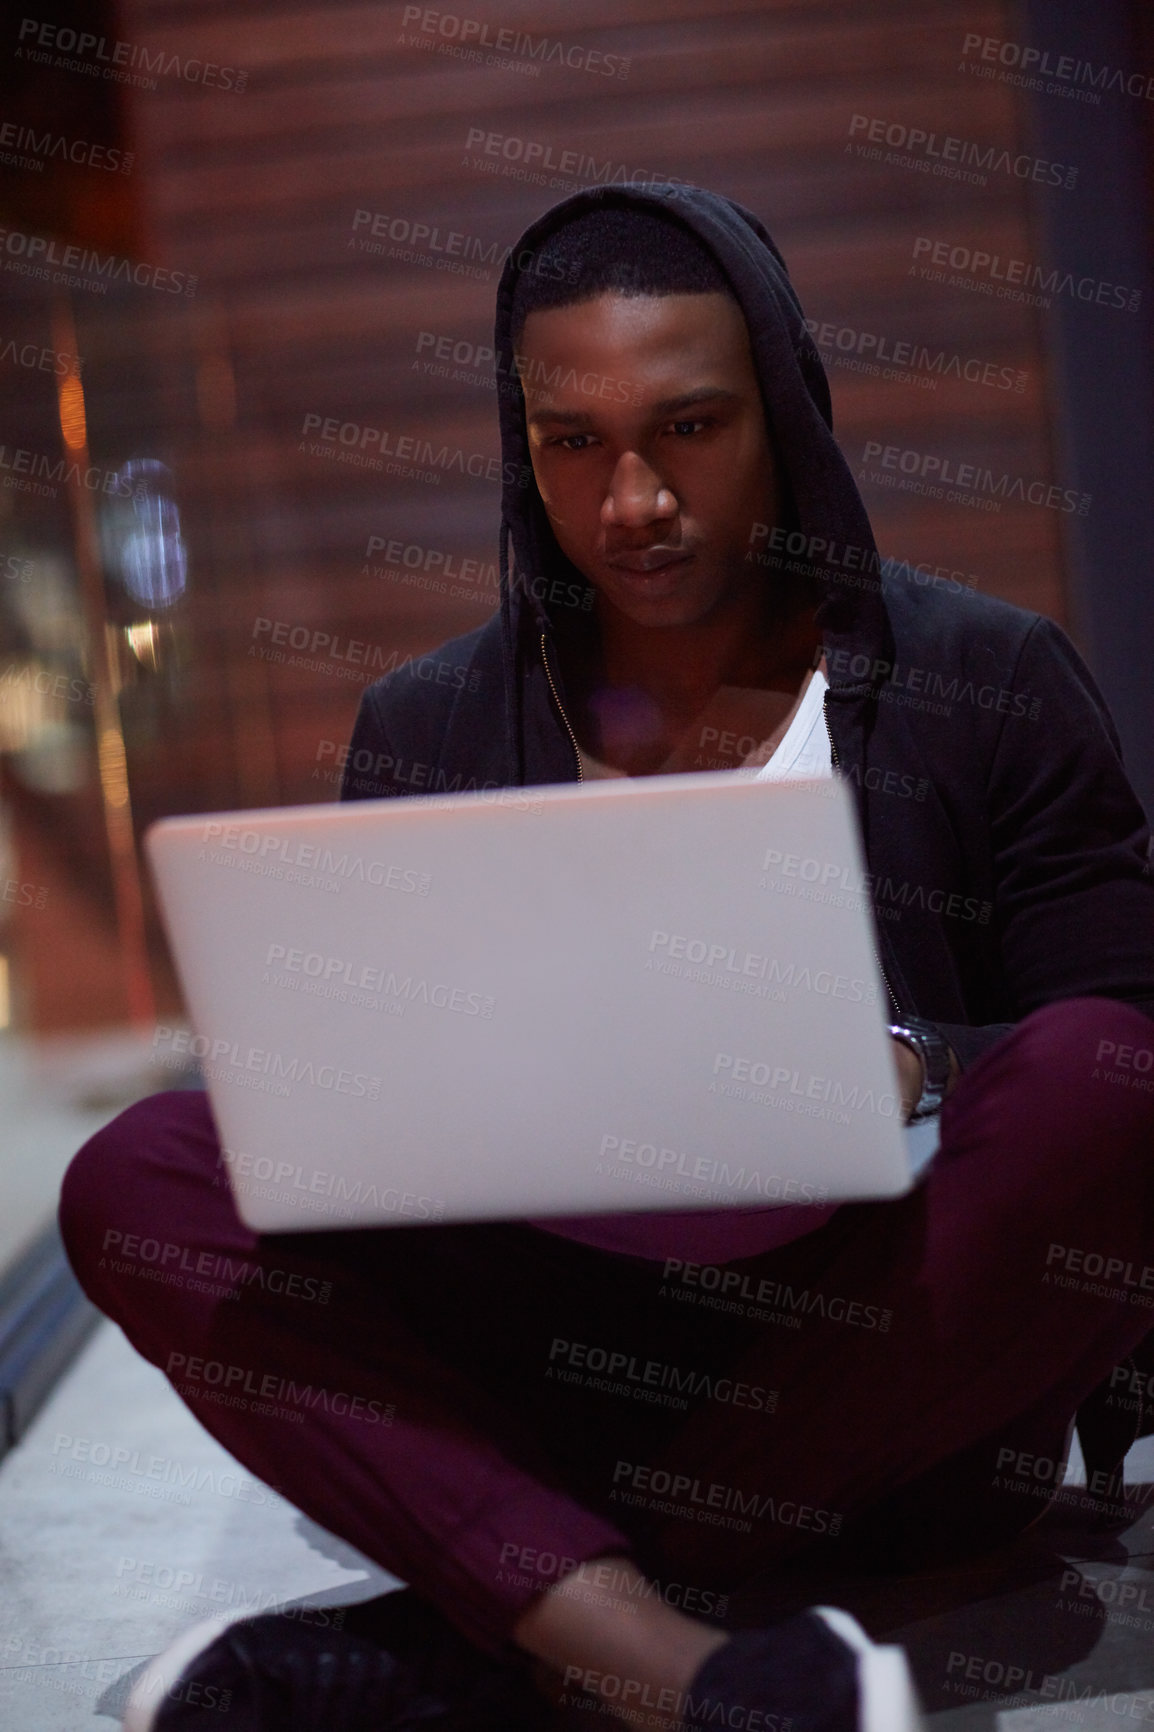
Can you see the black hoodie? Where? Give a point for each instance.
(1008, 856)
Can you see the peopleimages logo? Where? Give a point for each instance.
(728, 1289)
(307, 1190)
(872, 886)
(644, 1704)
(416, 566)
(885, 357)
(85, 268)
(656, 1374)
(367, 984)
(704, 1170)
(721, 956)
(856, 567)
(325, 652)
(25, 676)
(529, 159)
(930, 473)
(255, 1067)
(1015, 280)
(412, 241)
(83, 51)
(1020, 1685)
(1036, 64)
(34, 471)
(732, 1073)
(44, 360)
(696, 1495)
(311, 857)
(232, 1380)
(16, 568)
(955, 158)
(464, 38)
(22, 147)
(897, 682)
(173, 1264)
(128, 1459)
(379, 773)
(360, 443)
(615, 1582)
(194, 1592)
(466, 357)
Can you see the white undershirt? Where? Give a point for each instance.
(804, 752)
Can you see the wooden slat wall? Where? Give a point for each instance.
(255, 192)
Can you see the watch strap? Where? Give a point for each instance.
(934, 1051)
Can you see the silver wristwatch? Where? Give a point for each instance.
(934, 1052)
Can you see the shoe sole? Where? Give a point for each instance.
(889, 1701)
(154, 1686)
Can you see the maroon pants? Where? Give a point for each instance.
(480, 1407)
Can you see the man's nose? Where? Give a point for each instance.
(636, 495)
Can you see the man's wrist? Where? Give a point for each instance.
(938, 1061)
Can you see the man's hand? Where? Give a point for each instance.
(911, 1075)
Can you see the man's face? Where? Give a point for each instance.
(649, 447)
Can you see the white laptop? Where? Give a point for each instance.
(630, 994)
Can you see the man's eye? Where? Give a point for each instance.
(572, 441)
(687, 427)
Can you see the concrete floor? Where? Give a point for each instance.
(102, 1566)
(104, 1563)
(51, 1100)
(1052, 1632)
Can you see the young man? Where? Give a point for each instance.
(690, 579)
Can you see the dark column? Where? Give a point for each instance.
(1102, 357)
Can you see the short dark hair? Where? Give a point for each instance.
(620, 252)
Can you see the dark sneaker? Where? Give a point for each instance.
(816, 1672)
(396, 1666)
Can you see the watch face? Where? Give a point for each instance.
(927, 1039)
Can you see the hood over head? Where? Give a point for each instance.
(829, 536)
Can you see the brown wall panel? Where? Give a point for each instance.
(254, 192)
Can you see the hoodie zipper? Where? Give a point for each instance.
(561, 708)
(837, 766)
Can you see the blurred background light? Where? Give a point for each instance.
(72, 418)
(147, 550)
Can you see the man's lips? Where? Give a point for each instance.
(648, 559)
